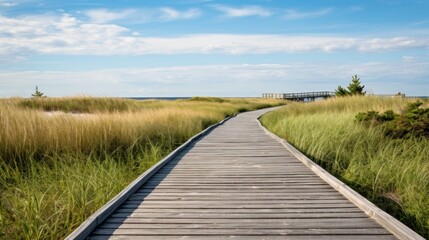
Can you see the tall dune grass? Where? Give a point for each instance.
(62, 159)
(393, 173)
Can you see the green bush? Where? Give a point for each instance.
(414, 122)
(208, 99)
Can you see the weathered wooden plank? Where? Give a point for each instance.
(232, 195)
(239, 175)
(237, 184)
(245, 237)
(248, 191)
(231, 162)
(148, 205)
(232, 205)
(165, 184)
(240, 210)
(252, 225)
(247, 202)
(243, 165)
(232, 169)
(234, 181)
(236, 187)
(284, 221)
(176, 215)
(153, 197)
(255, 232)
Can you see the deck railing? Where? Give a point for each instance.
(309, 96)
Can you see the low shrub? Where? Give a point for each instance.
(208, 99)
(413, 122)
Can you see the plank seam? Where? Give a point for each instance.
(390, 223)
(93, 221)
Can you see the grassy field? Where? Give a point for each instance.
(62, 158)
(392, 173)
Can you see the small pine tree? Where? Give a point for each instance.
(37, 93)
(399, 94)
(340, 91)
(354, 88)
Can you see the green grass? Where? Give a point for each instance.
(208, 99)
(57, 168)
(392, 173)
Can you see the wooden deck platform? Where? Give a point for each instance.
(237, 182)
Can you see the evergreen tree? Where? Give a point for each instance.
(399, 94)
(37, 93)
(341, 91)
(354, 88)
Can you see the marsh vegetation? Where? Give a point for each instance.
(63, 158)
(391, 170)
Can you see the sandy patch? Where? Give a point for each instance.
(64, 114)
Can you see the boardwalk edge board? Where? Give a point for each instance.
(396, 227)
(91, 223)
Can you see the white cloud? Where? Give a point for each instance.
(409, 58)
(68, 35)
(292, 14)
(7, 4)
(170, 14)
(141, 15)
(381, 44)
(105, 15)
(196, 1)
(220, 80)
(243, 11)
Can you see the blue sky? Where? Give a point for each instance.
(212, 48)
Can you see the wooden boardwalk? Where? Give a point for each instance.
(238, 183)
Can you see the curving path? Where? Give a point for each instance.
(238, 183)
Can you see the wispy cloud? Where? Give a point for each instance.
(195, 1)
(7, 4)
(170, 14)
(236, 79)
(423, 22)
(244, 11)
(356, 8)
(292, 14)
(410, 58)
(68, 35)
(141, 15)
(105, 15)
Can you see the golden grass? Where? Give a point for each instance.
(58, 166)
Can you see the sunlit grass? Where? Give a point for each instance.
(393, 173)
(62, 159)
